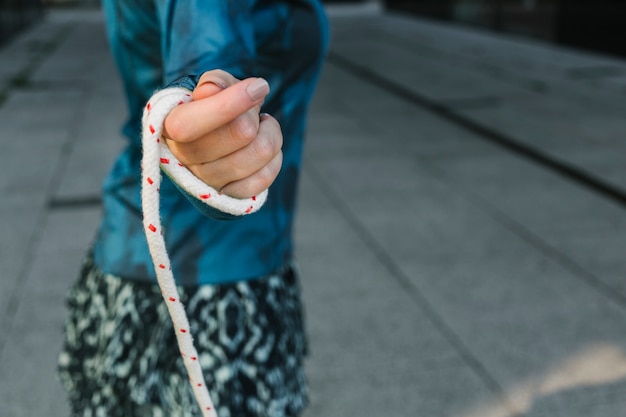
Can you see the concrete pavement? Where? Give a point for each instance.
(461, 232)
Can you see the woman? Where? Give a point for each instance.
(236, 275)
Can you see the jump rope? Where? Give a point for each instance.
(157, 157)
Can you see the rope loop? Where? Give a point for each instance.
(157, 157)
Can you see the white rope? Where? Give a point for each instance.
(157, 156)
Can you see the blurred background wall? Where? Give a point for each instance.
(597, 25)
(16, 15)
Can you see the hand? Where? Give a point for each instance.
(221, 137)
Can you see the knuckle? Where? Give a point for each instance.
(259, 181)
(177, 129)
(209, 175)
(264, 148)
(185, 157)
(227, 78)
(178, 151)
(231, 170)
(218, 76)
(264, 178)
(237, 172)
(271, 127)
(220, 73)
(245, 129)
(254, 186)
(269, 172)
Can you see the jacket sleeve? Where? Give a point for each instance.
(200, 35)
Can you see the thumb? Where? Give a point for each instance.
(195, 119)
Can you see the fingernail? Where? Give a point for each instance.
(258, 89)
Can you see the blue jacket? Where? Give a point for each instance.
(158, 43)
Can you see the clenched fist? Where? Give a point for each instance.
(223, 139)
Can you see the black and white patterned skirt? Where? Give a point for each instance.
(120, 356)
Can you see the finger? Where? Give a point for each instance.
(221, 142)
(195, 119)
(206, 90)
(246, 161)
(257, 182)
(212, 82)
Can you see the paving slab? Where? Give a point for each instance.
(544, 121)
(368, 301)
(40, 315)
(391, 124)
(566, 131)
(82, 51)
(97, 142)
(543, 101)
(605, 160)
(545, 203)
(602, 256)
(432, 79)
(358, 362)
(36, 128)
(27, 50)
(15, 245)
(511, 57)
